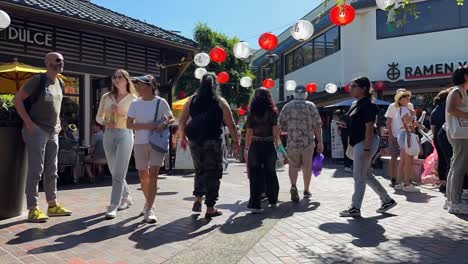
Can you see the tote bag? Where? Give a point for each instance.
(159, 141)
(458, 127)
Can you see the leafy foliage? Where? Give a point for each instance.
(207, 39)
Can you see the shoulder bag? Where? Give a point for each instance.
(159, 141)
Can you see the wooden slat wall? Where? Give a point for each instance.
(87, 48)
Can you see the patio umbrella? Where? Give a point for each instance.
(178, 106)
(14, 75)
(349, 102)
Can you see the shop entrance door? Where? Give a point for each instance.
(100, 86)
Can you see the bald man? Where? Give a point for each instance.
(38, 103)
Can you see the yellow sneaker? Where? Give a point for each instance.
(58, 210)
(37, 216)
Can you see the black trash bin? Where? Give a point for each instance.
(13, 166)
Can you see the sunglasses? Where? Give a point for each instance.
(119, 77)
(59, 60)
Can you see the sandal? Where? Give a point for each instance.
(215, 213)
(197, 207)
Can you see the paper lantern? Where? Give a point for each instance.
(202, 59)
(200, 72)
(242, 50)
(347, 88)
(181, 95)
(342, 15)
(4, 20)
(218, 54)
(379, 86)
(268, 41)
(290, 85)
(302, 30)
(242, 112)
(331, 88)
(223, 77)
(269, 83)
(246, 82)
(311, 87)
(384, 4)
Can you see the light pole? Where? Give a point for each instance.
(4, 20)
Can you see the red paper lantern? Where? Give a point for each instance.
(311, 87)
(182, 95)
(342, 15)
(242, 112)
(218, 54)
(223, 77)
(379, 86)
(268, 41)
(347, 88)
(268, 83)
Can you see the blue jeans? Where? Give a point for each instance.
(362, 174)
(118, 145)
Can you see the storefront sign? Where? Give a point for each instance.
(29, 36)
(421, 72)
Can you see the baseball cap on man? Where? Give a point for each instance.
(300, 89)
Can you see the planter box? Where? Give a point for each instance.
(13, 168)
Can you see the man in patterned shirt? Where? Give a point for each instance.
(301, 120)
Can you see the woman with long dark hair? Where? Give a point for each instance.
(365, 142)
(262, 136)
(118, 139)
(207, 110)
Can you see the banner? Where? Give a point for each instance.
(336, 145)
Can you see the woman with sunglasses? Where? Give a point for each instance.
(365, 143)
(118, 139)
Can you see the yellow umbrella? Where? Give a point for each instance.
(14, 75)
(178, 106)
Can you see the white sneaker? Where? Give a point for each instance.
(111, 212)
(400, 186)
(411, 188)
(447, 204)
(348, 169)
(150, 218)
(125, 203)
(458, 209)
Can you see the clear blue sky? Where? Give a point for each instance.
(246, 19)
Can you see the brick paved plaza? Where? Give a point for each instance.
(418, 230)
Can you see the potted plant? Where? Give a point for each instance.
(13, 164)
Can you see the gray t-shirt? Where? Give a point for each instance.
(45, 112)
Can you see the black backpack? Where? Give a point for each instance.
(32, 99)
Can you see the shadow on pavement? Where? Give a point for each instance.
(63, 228)
(167, 193)
(92, 236)
(340, 173)
(367, 231)
(248, 222)
(178, 230)
(416, 197)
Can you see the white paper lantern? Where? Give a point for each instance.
(242, 50)
(384, 4)
(302, 30)
(200, 72)
(290, 85)
(4, 20)
(246, 82)
(202, 59)
(331, 88)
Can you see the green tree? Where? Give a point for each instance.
(207, 39)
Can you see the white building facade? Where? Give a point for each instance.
(420, 55)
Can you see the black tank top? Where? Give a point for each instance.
(212, 115)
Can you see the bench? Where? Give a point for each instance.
(418, 166)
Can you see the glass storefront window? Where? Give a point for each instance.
(70, 112)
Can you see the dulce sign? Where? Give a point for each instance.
(421, 72)
(25, 35)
